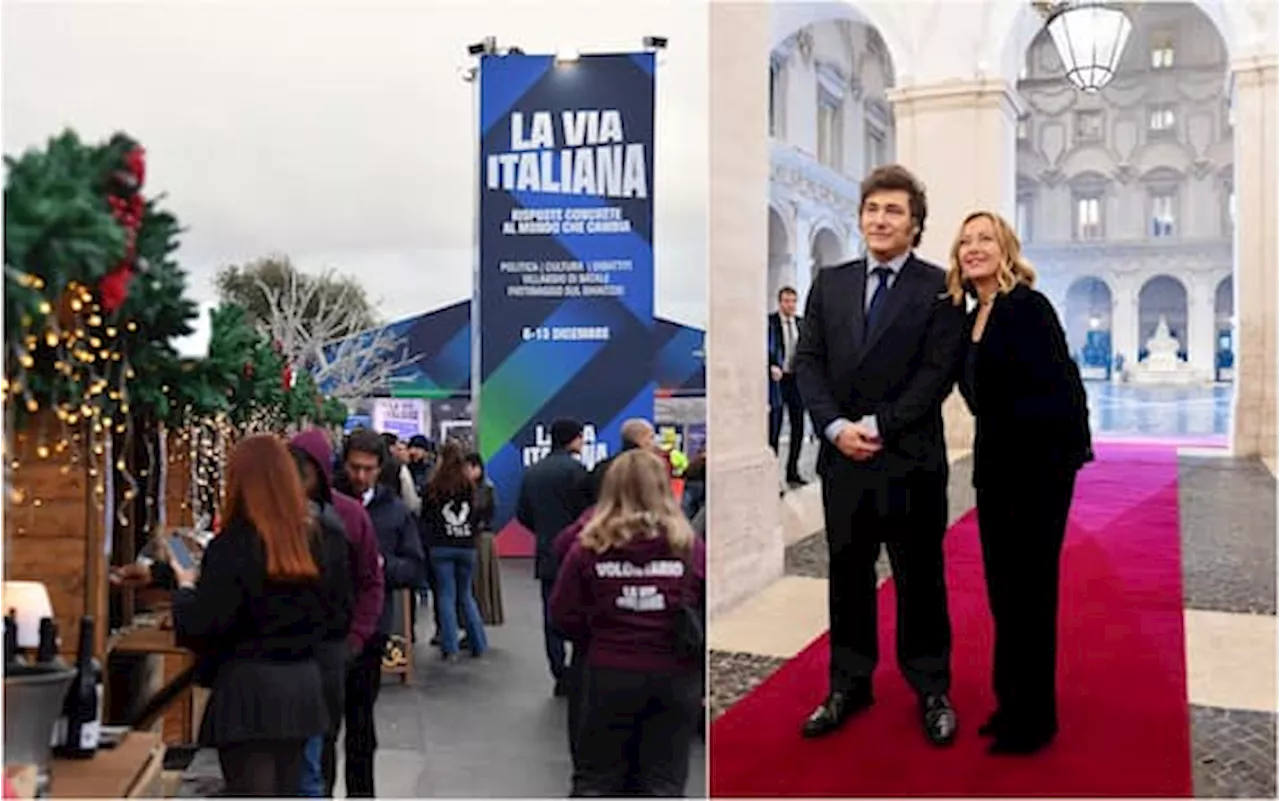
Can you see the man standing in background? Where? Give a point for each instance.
(403, 563)
(554, 493)
(784, 333)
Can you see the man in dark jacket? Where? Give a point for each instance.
(420, 462)
(553, 493)
(402, 567)
(367, 580)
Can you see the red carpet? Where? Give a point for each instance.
(1122, 684)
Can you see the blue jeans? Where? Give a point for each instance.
(453, 568)
(312, 775)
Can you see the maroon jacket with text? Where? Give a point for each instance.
(625, 602)
(366, 561)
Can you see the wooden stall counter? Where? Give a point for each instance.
(132, 769)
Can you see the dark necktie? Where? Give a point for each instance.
(878, 298)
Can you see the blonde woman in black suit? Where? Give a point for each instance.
(1032, 437)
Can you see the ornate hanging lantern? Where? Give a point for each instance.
(1090, 37)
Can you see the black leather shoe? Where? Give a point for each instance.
(835, 711)
(939, 719)
(1021, 743)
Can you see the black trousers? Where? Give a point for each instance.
(794, 407)
(553, 639)
(364, 681)
(262, 768)
(576, 679)
(637, 731)
(1023, 521)
(576, 688)
(910, 520)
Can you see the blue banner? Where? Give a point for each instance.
(436, 347)
(565, 292)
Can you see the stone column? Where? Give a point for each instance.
(1254, 428)
(1200, 326)
(974, 170)
(746, 545)
(1124, 322)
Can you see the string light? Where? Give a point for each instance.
(77, 341)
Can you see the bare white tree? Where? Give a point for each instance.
(361, 364)
(323, 333)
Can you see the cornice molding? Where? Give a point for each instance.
(1201, 87)
(1254, 70)
(956, 94)
(799, 177)
(1145, 259)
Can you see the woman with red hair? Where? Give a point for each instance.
(254, 618)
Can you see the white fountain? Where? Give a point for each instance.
(1162, 365)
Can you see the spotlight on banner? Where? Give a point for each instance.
(567, 55)
(486, 46)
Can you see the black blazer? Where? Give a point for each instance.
(1025, 392)
(777, 348)
(553, 494)
(901, 371)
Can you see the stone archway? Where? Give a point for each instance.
(1162, 297)
(1109, 199)
(1025, 24)
(1088, 323)
(827, 249)
(781, 261)
(1224, 331)
(830, 121)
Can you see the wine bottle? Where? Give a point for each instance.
(83, 704)
(47, 649)
(11, 654)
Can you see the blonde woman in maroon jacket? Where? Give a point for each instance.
(621, 588)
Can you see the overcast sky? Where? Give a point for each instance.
(339, 133)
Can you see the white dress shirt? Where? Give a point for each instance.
(873, 282)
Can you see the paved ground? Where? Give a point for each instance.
(1228, 518)
(1228, 513)
(486, 728)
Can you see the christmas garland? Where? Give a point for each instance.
(94, 300)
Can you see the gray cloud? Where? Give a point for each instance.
(339, 134)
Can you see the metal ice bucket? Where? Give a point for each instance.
(33, 696)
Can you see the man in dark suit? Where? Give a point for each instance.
(784, 335)
(554, 493)
(876, 359)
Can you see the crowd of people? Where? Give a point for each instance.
(623, 586)
(299, 598)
